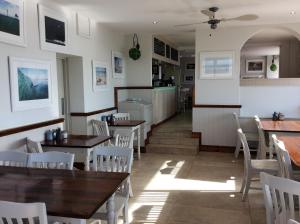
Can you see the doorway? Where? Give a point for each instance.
(63, 91)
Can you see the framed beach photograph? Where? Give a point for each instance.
(12, 25)
(118, 65)
(53, 29)
(216, 65)
(101, 75)
(30, 83)
(255, 66)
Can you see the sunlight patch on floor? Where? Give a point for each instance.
(165, 180)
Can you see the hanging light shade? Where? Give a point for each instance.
(134, 52)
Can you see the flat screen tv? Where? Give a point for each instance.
(55, 31)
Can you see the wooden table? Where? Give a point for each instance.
(291, 126)
(66, 193)
(292, 145)
(80, 145)
(131, 125)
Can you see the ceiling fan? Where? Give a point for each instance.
(213, 21)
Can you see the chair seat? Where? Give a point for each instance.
(265, 165)
(119, 201)
(251, 136)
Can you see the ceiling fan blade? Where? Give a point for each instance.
(190, 24)
(208, 13)
(247, 17)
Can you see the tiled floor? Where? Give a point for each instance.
(201, 189)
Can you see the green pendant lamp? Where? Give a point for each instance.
(134, 52)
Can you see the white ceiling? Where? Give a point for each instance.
(138, 15)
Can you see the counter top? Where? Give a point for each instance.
(164, 87)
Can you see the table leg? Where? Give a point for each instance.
(110, 208)
(139, 142)
(87, 160)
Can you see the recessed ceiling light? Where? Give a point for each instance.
(292, 13)
(155, 22)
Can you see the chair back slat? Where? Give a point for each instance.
(51, 160)
(121, 116)
(33, 146)
(13, 158)
(281, 196)
(22, 213)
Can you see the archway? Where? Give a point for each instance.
(271, 53)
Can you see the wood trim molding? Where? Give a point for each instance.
(116, 89)
(86, 114)
(215, 106)
(19, 129)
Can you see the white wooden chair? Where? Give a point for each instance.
(33, 146)
(291, 221)
(19, 213)
(285, 163)
(124, 139)
(263, 148)
(250, 136)
(51, 160)
(254, 167)
(121, 116)
(13, 158)
(280, 196)
(101, 129)
(114, 159)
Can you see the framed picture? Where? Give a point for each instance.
(83, 26)
(53, 29)
(190, 66)
(188, 78)
(256, 66)
(101, 75)
(216, 65)
(12, 26)
(30, 83)
(118, 65)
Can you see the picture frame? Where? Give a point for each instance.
(216, 65)
(83, 26)
(255, 66)
(101, 76)
(190, 66)
(53, 27)
(118, 65)
(12, 22)
(30, 83)
(188, 78)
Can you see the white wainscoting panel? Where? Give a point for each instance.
(216, 125)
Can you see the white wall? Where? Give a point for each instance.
(229, 91)
(99, 48)
(139, 72)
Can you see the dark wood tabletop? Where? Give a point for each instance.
(280, 126)
(126, 123)
(77, 141)
(292, 145)
(74, 194)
